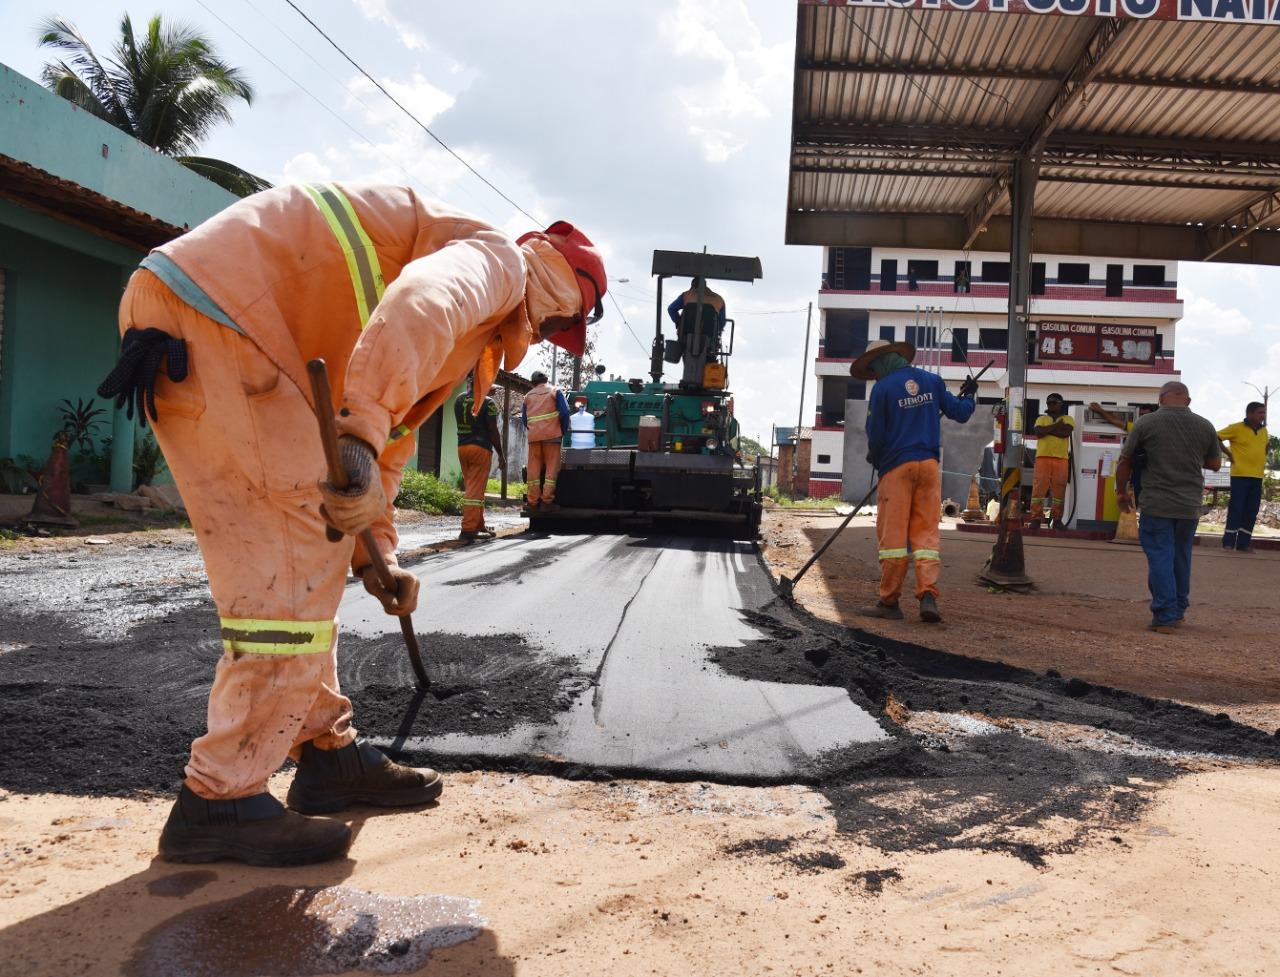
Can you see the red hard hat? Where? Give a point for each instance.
(577, 249)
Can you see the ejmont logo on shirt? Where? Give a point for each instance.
(914, 397)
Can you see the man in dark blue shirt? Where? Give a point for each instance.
(904, 441)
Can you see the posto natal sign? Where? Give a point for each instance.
(1095, 342)
(1264, 12)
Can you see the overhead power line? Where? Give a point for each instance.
(396, 102)
(625, 322)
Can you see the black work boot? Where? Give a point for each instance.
(929, 609)
(359, 773)
(889, 612)
(257, 830)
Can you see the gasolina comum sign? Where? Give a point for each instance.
(1264, 12)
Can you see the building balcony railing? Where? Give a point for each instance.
(1092, 292)
(932, 358)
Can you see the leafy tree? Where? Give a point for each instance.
(549, 353)
(166, 88)
(750, 446)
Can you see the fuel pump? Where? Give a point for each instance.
(1095, 452)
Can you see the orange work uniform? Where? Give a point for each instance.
(402, 297)
(908, 501)
(546, 433)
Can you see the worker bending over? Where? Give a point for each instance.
(401, 296)
(1053, 448)
(904, 440)
(478, 438)
(546, 417)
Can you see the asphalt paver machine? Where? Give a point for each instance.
(666, 454)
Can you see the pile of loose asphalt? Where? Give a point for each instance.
(106, 656)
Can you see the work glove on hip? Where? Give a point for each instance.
(399, 602)
(362, 503)
(969, 389)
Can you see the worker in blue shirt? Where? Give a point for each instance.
(904, 440)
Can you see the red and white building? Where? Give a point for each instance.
(954, 305)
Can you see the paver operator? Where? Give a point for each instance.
(904, 442)
(402, 297)
(546, 417)
(1053, 452)
(478, 439)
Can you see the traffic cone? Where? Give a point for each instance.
(973, 509)
(53, 495)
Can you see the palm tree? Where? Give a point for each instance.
(167, 89)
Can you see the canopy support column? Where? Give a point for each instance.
(1007, 566)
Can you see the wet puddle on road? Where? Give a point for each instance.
(283, 931)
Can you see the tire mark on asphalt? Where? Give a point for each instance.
(597, 695)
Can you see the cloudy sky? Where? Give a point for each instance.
(661, 124)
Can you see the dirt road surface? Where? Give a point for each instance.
(1086, 617)
(1016, 822)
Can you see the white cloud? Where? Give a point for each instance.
(380, 11)
(1203, 319)
(747, 72)
(306, 168)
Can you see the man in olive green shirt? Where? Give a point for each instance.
(1246, 447)
(1179, 446)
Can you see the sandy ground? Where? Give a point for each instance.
(1086, 618)
(634, 878)
(641, 877)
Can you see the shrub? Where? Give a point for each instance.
(514, 489)
(426, 493)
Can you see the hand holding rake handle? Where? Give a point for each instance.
(323, 399)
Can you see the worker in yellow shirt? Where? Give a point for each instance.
(1245, 444)
(1053, 447)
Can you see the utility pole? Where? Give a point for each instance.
(1264, 391)
(804, 373)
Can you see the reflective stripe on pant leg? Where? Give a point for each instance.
(893, 500)
(256, 636)
(926, 505)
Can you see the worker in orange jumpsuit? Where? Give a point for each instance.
(478, 438)
(546, 417)
(1053, 459)
(401, 297)
(904, 443)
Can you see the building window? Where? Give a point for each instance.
(1115, 281)
(849, 269)
(921, 271)
(959, 345)
(995, 271)
(996, 339)
(856, 390)
(889, 275)
(1037, 278)
(1148, 276)
(844, 333)
(1033, 411)
(886, 333)
(1073, 273)
(922, 337)
(964, 272)
(824, 459)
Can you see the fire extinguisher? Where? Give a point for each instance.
(1000, 433)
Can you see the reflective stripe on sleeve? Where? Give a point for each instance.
(896, 554)
(362, 259)
(398, 432)
(265, 637)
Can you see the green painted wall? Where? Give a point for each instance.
(52, 134)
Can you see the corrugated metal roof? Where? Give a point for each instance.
(901, 111)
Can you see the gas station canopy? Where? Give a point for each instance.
(1155, 123)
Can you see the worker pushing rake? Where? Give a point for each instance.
(401, 298)
(904, 441)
